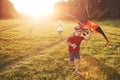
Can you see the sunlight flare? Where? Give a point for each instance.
(34, 7)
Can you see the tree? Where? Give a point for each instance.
(7, 10)
(60, 10)
(111, 8)
(91, 9)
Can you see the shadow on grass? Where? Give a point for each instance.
(111, 73)
(89, 67)
(92, 69)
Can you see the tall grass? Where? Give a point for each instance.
(42, 54)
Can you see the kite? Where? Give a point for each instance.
(90, 25)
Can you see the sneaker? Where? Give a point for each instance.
(77, 71)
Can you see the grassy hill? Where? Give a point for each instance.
(35, 51)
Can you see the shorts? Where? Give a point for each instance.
(74, 55)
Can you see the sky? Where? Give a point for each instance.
(34, 7)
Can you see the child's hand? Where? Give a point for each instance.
(74, 46)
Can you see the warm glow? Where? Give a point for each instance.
(34, 7)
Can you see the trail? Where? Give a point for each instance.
(12, 63)
(4, 28)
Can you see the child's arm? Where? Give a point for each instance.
(87, 37)
(72, 45)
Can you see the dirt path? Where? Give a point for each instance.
(4, 28)
(12, 63)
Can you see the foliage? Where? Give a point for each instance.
(91, 9)
(7, 10)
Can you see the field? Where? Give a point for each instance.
(35, 51)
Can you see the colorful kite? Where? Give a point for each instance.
(90, 25)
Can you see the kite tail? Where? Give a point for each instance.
(98, 29)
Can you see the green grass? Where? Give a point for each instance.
(42, 54)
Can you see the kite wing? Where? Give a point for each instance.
(90, 25)
(94, 28)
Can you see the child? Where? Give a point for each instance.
(74, 46)
(60, 29)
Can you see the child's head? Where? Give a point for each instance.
(78, 31)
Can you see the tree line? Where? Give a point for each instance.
(7, 10)
(88, 9)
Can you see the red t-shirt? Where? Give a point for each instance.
(75, 40)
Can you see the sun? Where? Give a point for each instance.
(34, 7)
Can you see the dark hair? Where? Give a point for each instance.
(73, 33)
(77, 27)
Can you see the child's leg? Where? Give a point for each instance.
(77, 56)
(77, 64)
(71, 59)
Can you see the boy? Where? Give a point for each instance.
(74, 45)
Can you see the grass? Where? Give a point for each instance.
(42, 53)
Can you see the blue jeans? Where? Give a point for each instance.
(74, 55)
